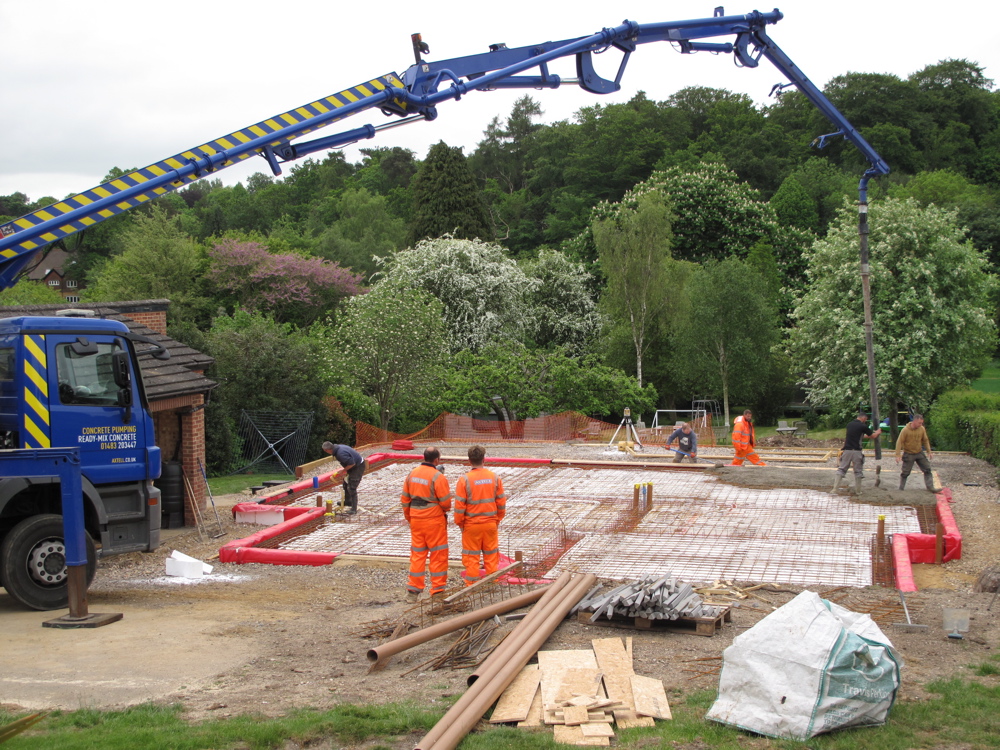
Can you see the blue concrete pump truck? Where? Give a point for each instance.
(76, 381)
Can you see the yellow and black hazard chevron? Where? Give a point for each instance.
(35, 432)
(304, 116)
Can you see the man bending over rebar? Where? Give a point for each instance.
(354, 466)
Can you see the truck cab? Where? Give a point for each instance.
(73, 381)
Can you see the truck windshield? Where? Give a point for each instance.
(88, 378)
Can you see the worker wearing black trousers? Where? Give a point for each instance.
(851, 455)
(354, 464)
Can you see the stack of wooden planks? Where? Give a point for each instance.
(582, 694)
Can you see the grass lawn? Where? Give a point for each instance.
(239, 482)
(989, 381)
(962, 715)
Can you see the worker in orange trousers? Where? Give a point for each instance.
(744, 441)
(426, 501)
(480, 505)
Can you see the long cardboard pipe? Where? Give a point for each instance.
(509, 644)
(470, 708)
(386, 650)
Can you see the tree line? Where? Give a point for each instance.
(640, 254)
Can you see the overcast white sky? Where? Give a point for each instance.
(87, 86)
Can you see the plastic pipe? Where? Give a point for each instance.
(469, 709)
(386, 650)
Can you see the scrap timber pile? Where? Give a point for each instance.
(664, 598)
(583, 694)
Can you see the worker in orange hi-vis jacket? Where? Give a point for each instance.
(744, 441)
(480, 505)
(426, 501)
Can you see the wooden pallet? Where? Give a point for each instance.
(706, 626)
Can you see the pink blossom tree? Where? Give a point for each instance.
(292, 288)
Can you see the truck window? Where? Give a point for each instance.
(6, 363)
(89, 378)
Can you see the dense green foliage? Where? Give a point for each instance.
(967, 420)
(634, 240)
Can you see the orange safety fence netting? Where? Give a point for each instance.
(567, 425)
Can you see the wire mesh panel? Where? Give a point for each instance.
(272, 441)
(700, 529)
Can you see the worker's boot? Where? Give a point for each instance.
(412, 596)
(837, 479)
(857, 486)
(902, 482)
(929, 481)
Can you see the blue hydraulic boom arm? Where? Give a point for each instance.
(414, 96)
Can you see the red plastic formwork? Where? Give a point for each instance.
(244, 550)
(922, 548)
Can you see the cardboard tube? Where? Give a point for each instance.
(508, 643)
(386, 650)
(469, 709)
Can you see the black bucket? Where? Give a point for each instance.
(171, 484)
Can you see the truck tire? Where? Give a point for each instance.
(33, 561)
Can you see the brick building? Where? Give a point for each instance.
(176, 388)
(51, 272)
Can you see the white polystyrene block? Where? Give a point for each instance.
(184, 568)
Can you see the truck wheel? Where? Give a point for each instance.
(33, 561)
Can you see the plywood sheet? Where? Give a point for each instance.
(534, 713)
(629, 719)
(597, 730)
(617, 668)
(559, 684)
(650, 697)
(569, 659)
(574, 736)
(575, 715)
(516, 700)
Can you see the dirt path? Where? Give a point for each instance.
(267, 639)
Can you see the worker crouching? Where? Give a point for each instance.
(744, 441)
(480, 505)
(426, 502)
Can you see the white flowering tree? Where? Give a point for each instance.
(931, 309)
(562, 306)
(388, 345)
(484, 293)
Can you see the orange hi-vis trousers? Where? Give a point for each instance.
(750, 456)
(428, 537)
(479, 538)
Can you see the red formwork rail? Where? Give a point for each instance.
(908, 549)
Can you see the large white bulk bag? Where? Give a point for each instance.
(809, 667)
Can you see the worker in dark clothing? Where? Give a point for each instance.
(851, 455)
(354, 464)
(687, 441)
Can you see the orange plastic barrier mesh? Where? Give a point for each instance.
(568, 425)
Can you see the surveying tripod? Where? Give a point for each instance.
(629, 428)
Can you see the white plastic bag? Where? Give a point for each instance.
(807, 668)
